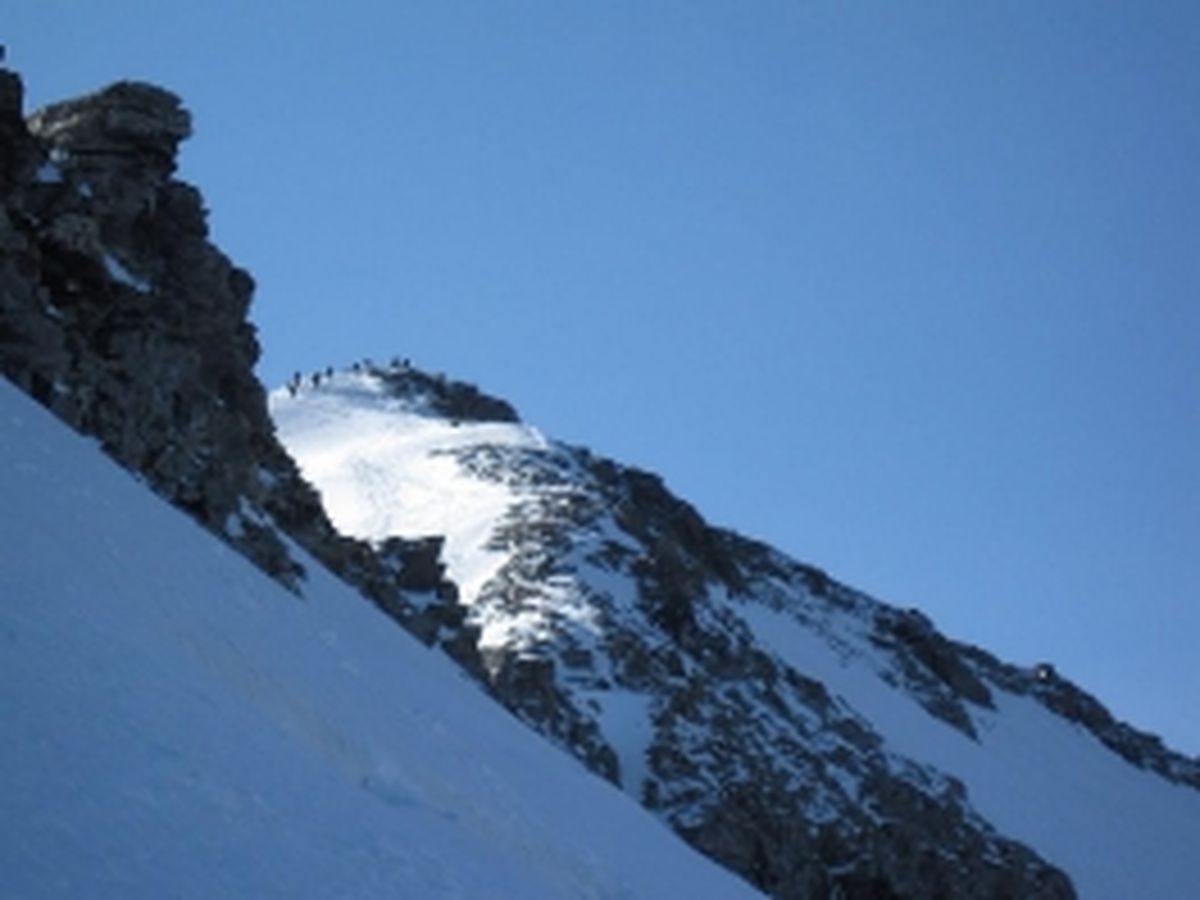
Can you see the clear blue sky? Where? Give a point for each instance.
(909, 290)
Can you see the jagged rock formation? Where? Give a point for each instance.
(118, 314)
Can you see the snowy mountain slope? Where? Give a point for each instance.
(802, 734)
(178, 725)
(805, 735)
(1117, 830)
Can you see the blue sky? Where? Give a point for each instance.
(911, 291)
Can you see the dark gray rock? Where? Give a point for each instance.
(453, 400)
(119, 314)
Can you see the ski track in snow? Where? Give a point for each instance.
(177, 725)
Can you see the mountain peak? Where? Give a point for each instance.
(765, 711)
(400, 386)
(128, 119)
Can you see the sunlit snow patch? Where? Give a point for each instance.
(385, 468)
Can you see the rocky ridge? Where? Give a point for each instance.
(118, 314)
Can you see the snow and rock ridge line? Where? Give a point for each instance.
(178, 725)
(119, 316)
(122, 317)
(765, 711)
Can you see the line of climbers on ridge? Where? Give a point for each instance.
(297, 381)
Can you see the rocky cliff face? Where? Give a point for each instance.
(118, 314)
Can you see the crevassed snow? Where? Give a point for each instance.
(1117, 831)
(176, 725)
(383, 469)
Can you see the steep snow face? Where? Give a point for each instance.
(177, 725)
(729, 683)
(385, 464)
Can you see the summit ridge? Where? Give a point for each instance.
(806, 735)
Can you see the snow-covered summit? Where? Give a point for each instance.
(802, 733)
(384, 444)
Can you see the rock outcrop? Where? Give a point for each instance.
(119, 314)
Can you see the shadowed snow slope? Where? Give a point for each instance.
(177, 725)
(1118, 830)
